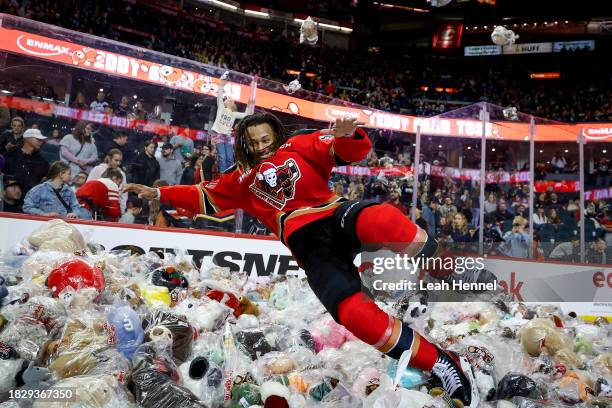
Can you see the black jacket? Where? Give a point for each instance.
(28, 169)
(145, 170)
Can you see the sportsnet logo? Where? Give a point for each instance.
(40, 47)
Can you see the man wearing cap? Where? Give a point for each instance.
(170, 168)
(12, 195)
(26, 164)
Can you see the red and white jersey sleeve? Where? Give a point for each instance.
(286, 191)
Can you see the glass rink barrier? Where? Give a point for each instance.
(489, 180)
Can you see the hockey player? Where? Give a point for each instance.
(284, 182)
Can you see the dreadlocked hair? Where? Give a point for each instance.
(243, 158)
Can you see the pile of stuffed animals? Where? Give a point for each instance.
(128, 330)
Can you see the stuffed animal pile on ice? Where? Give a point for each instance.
(126, 330)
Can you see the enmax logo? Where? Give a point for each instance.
(34, 47)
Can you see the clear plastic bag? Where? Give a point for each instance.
(155, 378)
(57, 235)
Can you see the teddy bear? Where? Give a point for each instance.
(542, 335)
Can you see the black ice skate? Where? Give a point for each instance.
(455, 376)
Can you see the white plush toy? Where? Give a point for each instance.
(502, 36)
(308, 32)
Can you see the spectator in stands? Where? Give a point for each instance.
(113, 160)
(444, 228)
(99, 105)
(430, 215)
(517, 243)
(598, 252)
(394, 200)
(606, 224)
(492, 233)
(376, 191)
(80, 102)
(522, 211)
(170, 169)
(419, 220)
(123, 108)
(603, 173)
(490, 204)
(448, 209)
(26, 163)
(503, 213)
(192, 174)
(183, 147)
(461, 231)
(55, 137)
(208, 162)
(567, 251)
(12, 200)
(78, 150)
(558, 163)
(79, 180)
(539, 217)
(553, 202)
(120, 142)
(54, 197)
(134, 208)
(101, 196)
(146, 168)
(12, 138)
(554, 219)
(468, 211)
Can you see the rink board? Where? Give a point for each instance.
(266, 256)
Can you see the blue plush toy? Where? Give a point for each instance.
(128, 329)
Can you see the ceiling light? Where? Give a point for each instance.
(257, 13)
(223, 4)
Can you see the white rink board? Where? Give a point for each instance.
(266, 256)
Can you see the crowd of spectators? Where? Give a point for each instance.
(65, 182)
(70, 169)
(410, 83)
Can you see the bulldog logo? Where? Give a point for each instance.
(276, 184)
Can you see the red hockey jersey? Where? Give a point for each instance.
(102, 196)
(285, 191)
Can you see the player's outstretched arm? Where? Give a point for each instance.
(187, 197)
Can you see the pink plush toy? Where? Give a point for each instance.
(329, 334)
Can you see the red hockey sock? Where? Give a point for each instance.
(360, 315)
(424, 354)
(386, 225)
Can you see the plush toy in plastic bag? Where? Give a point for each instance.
(204, 314)
(182, 332)
(308, 32)
(57, 235)
(155, 379)
(128, 329)
(100, 391)
(204, 379)
(10, 365)
(26, 336)
(75, 273)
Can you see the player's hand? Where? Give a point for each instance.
(145, 192)
(344, 127)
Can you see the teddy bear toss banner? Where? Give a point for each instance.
(98, 60)
(584, 289)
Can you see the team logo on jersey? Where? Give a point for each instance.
(276, 184)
